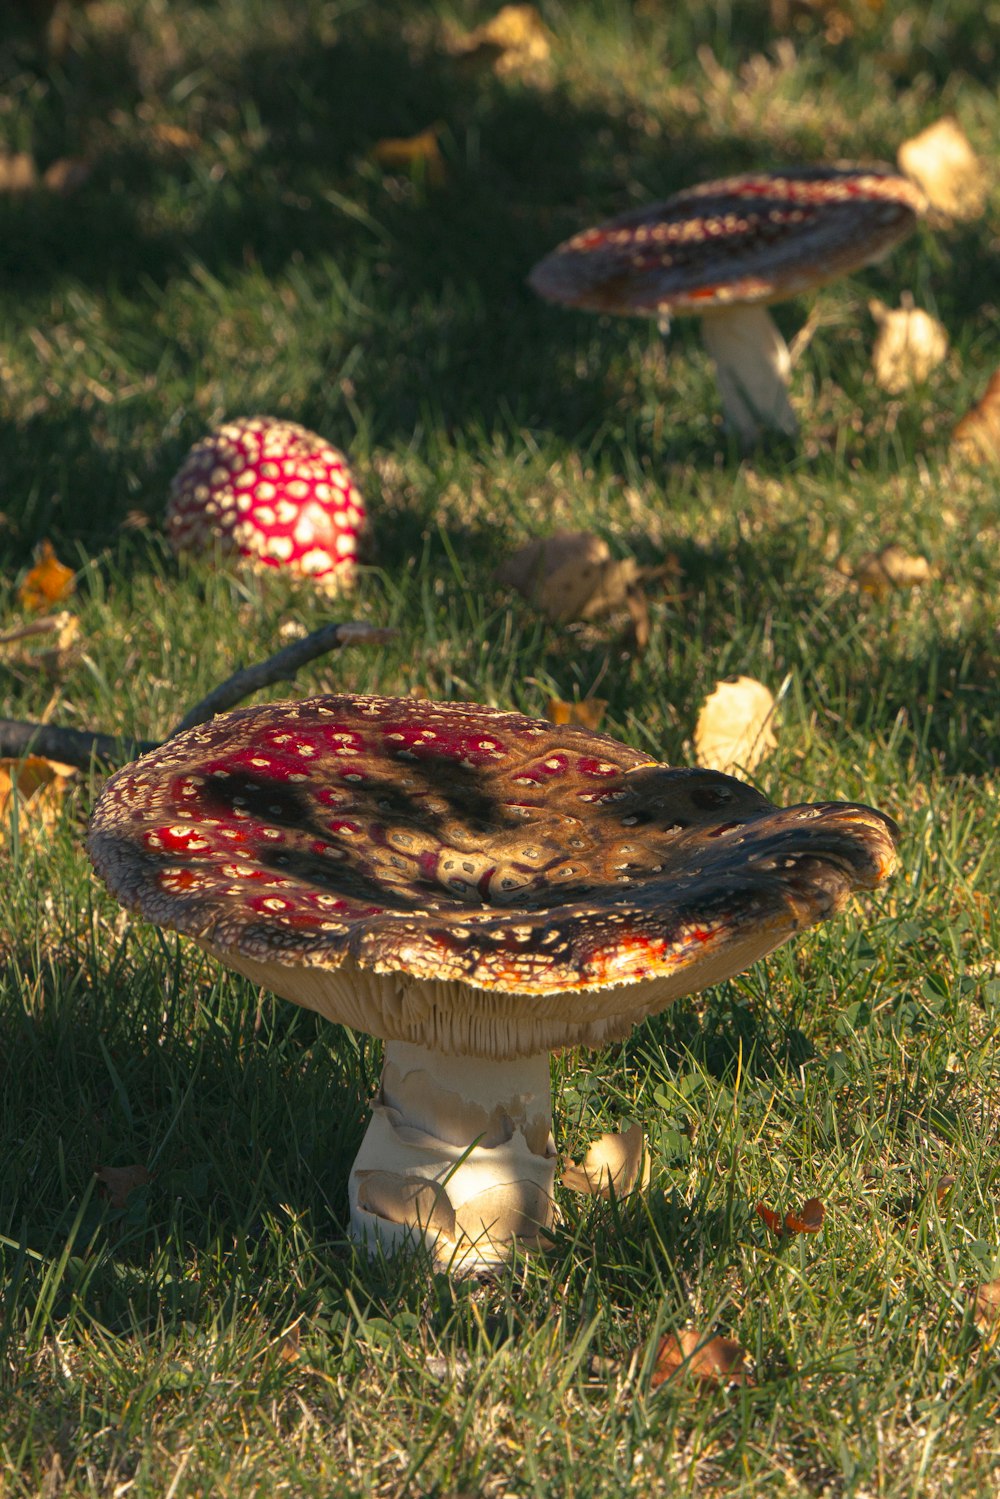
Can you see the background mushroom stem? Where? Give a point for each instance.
(459, 1153)
(752, 366)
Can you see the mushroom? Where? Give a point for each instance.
(723, 251)
(478, 889)
(272, 492)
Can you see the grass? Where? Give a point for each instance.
(219, 1334)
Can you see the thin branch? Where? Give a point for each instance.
(80, 747)
(77, 747)
(280, 667)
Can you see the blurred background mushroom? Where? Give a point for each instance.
(724, 251)
(476, 888)
(271, 492)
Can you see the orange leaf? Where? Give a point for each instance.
(585, 714)
(118, 1182)
(977, 435)
(412, 151)
(47, 582)
(712, 1360)
(809, 1221)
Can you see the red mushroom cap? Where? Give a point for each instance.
(555, 868)
(272, 492)
(760, 237)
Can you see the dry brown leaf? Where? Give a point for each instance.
(570, 575)
(47, 582)
(735, 728)
(986, 1310)
(588, 713)
(515, 40)
(942, 163)
(977, 435)
(18, 173)
(878, 573)
(118, 1182)
(713, 1360)
(31, 789)
(414, 152)
(909, 344)
(614, 1164)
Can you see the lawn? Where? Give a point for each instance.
(233, 242)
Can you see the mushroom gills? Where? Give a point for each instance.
(752, 364)
(458, 1155)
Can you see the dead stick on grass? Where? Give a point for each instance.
(80, 746)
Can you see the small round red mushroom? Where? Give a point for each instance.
(273, 492)
(723, 251)
(476, 888)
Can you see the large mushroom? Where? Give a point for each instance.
(723, 251)
(272, 492)
(478, 889)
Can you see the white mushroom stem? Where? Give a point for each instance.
(752, 364)
(459, 1153)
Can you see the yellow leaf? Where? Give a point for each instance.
(31, 790)
(514, 40)
(942, 163)
(910, 343)
(735, 728)
(614, 1163)
(414, 152)
(878, 573)
(18, 173)
(47, 582)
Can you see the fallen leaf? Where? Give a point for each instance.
(735, 728)
(420, 153)
(47, 582)
(31, 788)
(713, 1360)
(587, 713)
(515, 40)
(66, 174)
(175, 137)
(986, 1307)
(808, 1221)
(944, 166)
(878, 573)
(977, 435)
(18, 173)
(942, 1187)
(614, 1164)
(909, 344)
(118, 1182)
(570, 575)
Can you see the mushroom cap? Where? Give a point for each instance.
(465, 878)
(759, 237)
(270, 491)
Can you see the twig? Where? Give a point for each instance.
(280, 667)
(71, 746)
(80, 746)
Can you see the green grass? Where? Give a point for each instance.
(220, 1334)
